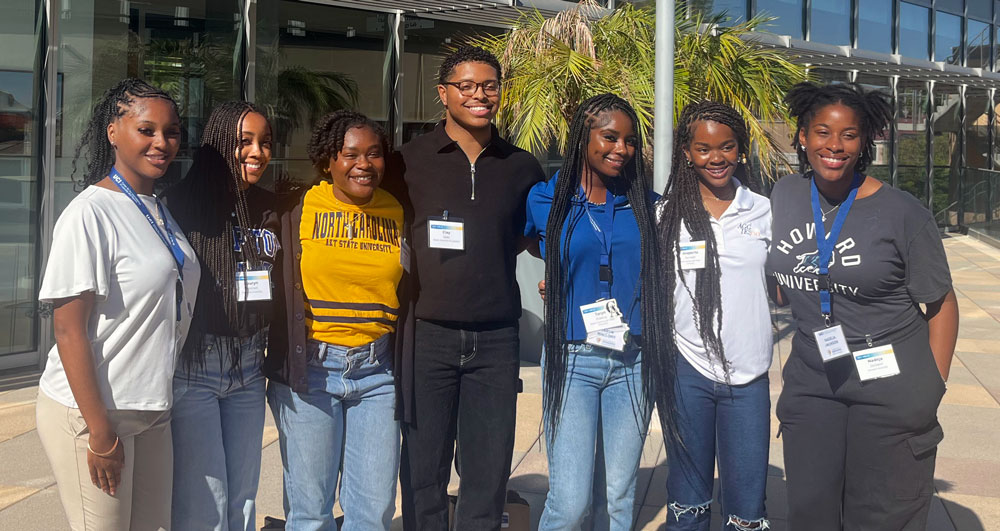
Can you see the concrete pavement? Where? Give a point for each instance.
(968, 463)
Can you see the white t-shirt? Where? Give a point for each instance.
(102, 243)
(743, 236)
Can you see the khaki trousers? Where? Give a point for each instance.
(142, 499)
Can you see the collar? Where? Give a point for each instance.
(744, 197)
(440, 139)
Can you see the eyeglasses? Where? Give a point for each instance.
(469, 88)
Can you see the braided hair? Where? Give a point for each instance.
(328, 137)
(682, 205)
(100, 155)
(873, 108)
(657, 366)
(201, 203)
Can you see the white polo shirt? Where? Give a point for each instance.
(743, 236)
(102, 243)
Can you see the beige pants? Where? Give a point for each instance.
(142, 499)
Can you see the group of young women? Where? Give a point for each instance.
(650, 300)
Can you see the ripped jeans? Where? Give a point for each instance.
(733, 423)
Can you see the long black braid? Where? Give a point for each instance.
(100, 155)
(657, 367)
(682, 204)
(210, 205)
(328, 137)
(874, 110)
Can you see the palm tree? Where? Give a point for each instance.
(553, 64)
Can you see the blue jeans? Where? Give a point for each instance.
(217, 424)
(736, 419)
(595, 451)
(342, 427)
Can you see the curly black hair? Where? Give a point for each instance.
(874, 110)
(467, 54)
(100, 156)
(328, 136)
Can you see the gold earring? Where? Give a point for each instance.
(743, 158)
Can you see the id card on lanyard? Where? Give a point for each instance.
(168, 240)
(604, 321)
(829, 338)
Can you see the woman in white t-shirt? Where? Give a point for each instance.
(121, 279)
(715, 232)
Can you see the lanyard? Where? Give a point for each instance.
(825, 242)
(169, 240)
(604, 233)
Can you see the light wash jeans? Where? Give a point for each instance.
(342, 427)
(594, 457)
(217, 424)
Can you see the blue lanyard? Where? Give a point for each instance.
(169, 240)
(604, 233)
(826, 242)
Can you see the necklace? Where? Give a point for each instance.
(712, 197)
(824, 213)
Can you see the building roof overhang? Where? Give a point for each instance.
(846, 58)
(496, 13)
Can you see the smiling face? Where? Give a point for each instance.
(714, 153)
(475, 111)
(254, 151)
(358, 168)
(611, 144)
(145, 139)
(833, 142)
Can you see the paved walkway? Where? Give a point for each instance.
(968, 465)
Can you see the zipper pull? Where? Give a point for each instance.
(868, 338)
(472, 170)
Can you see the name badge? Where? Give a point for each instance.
(876, 362)
(446, 233)
(253, 286)
(693, 255)
(831, 342)
(404, 254)
(611, 338)
(601, 315)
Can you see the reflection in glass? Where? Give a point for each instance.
(947, 123)
(20, 126)
(736, 10)
(830, 22)
(186, 47)
(313, 59)
(875, 26)
(789, 13)
(978, 45)
(977, 148)
(948, 38)
(911, 128)
(914, 27)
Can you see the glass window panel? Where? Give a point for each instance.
(875, 26)
(735, 10)
(977, 151)
(186, 47)
(979, 9)
(20, 127)
(788, 13)
(948, 38)
(914, 26)
(879, 167)
(830, 22)
(952, 6)
(911, 129)
(947, 123)
(313, 59)
(978, 45)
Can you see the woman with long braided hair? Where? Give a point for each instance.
(862, 266)
(603, 328)
(218, 416)
(714, 234)
(331, 360)
(122, 281)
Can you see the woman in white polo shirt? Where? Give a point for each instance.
(121, 279)
(715, 233)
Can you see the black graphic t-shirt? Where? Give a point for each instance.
(887, 258)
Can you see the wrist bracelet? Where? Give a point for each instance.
(105, 454)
